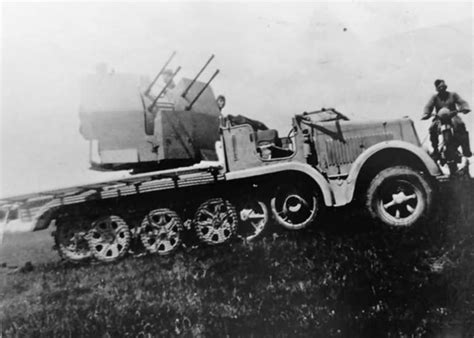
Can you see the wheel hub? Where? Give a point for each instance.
(108, 237)
(245, 214)
(400, 198)
(71, 242)
(216, 223)
(294, 203)
(403, 203)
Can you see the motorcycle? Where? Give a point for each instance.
(449, 145)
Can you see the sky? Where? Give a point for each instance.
(275, 60)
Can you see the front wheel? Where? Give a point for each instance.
(399, 196)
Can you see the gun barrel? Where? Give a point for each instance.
(196, 77)
(164, 88)
(202, 90)
(147, 91)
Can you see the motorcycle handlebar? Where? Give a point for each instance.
(451, 114)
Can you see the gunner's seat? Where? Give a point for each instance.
(268, 143)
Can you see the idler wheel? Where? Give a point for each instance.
(254, 217)
(295, 207)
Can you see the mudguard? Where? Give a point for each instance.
(431, 167)
(303, 168)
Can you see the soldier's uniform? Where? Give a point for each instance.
(452, 101)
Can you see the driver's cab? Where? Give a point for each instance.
(247, 146)
(248, 143)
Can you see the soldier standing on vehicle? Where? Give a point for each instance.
(454, 102)
(236, 120)
(220, 102)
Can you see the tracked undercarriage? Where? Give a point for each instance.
(160, 222)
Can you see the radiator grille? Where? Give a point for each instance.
(346, 152)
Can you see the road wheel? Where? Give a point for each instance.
(160, 231)
(71, 241)
(109, 238)
(399, 196)
(295, 207)
(215, 221)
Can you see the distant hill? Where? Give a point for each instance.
(407, 64)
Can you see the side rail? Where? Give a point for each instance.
(36, 208)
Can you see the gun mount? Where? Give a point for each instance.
(131, 129)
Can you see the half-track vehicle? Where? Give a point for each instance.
(325, 161)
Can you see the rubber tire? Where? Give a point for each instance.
(409, 175)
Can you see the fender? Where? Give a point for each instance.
(42, 219)
(430, 165)
(306, 169)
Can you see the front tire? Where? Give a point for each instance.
(399, 197)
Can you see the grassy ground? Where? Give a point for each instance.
(345, 278)
(35, 247)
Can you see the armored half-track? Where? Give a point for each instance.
(324, 161)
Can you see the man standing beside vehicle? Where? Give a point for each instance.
(453, 102)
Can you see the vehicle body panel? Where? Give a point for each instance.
(340, 143)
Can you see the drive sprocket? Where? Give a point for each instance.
(70, 240)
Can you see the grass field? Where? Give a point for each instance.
(34, 247)
(345, 278)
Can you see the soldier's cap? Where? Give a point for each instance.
(438, 82)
